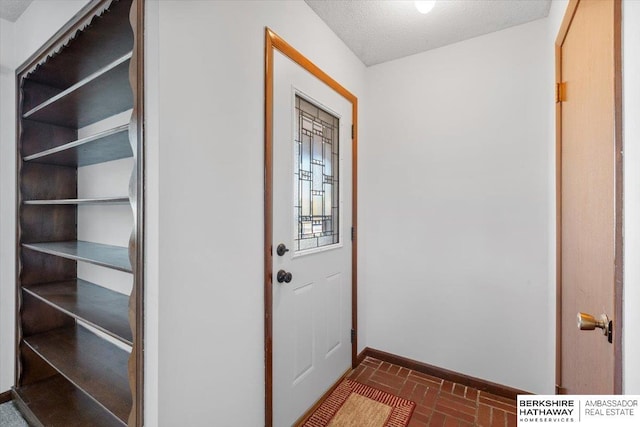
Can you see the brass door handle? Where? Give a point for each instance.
(587, 322)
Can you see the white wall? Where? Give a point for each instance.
(631, 99)
(210, 198)
(455, 207)
(7, 206)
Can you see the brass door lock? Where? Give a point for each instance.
(587, 322)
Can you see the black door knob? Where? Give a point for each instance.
(284, 276)
(281, 249)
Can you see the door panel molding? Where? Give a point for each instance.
(618, 193)
(275, 42)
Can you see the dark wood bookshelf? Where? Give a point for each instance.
(109, 256)
(56, 402)
(71, 368)
(96, 97)
(88, 362)
(94, 201)
(105, 38)
(112, 144)
(99, 307)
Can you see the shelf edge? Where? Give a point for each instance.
(34, 247)
(77, 143)
(77, 86)
(78, 317)
(92, 201)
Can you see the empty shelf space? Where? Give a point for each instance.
(102, 308)
(107, 37)
(96, 201)
(112, 144)
(115, 257)
(56, 402)
(98, 96)
(90, 363)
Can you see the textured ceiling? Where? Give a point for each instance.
(382, 30)
(12, 9)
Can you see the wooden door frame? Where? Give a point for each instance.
(275, 42)
(618, 198)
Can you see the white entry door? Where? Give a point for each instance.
(312, 184)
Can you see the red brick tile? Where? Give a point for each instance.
(452, 408)
(451, 422)
(447, 386)
(372, 363)
(426, 377)
(454, 412)
(508, 407)
(385, 366)
(365, 374)
(430, 398)
(353, 374)
(403, 372)
(387, 378)
(438, 402)
(458, 389)
(393, 370)
(437, 420)
(471, 393)
(424, 411)
(498, 418)
(484, 416)
(457, 399)
(418, 392)
(407, 390)
(420, 416)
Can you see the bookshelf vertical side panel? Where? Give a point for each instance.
(136, 198)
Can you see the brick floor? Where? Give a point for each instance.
(438, 402)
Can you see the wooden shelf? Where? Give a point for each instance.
(90, 363)
(56, 402)
(95, 201)
(114, 257)
(112, 144)
(73, 366)
(98, 96)
(108, 36)
(102, 308)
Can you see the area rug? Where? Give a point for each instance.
(353, 404)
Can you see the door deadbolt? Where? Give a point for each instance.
(587, 322)
(281, 249)
(284, 276)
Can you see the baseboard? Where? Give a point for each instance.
(5, 396)
(477, 383)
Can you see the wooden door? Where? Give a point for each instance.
(589, 195)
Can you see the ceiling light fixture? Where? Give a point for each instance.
(425, 6)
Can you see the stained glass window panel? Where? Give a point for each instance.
(316, 175)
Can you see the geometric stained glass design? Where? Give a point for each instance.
(316, 175)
